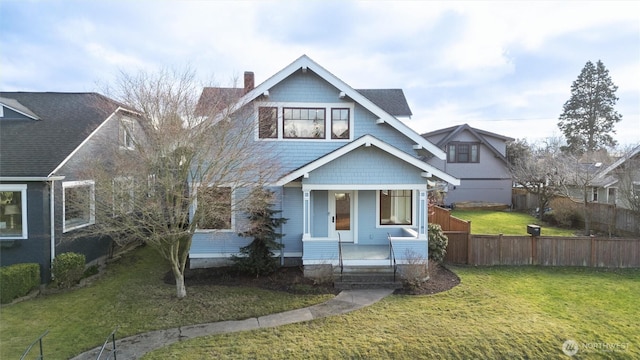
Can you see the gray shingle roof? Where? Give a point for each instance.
(392, 101)
(36, 147)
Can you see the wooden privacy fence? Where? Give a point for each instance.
(442, 217)
(543, 250)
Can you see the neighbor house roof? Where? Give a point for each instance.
(453, 131)
(35, 148)
(604, 178)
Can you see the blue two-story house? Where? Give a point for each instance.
(350, 179)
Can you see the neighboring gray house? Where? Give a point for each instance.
(619, 183)
(44, 139)
(476, 157)
(350, 179)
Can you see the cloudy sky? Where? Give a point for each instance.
(505, 67)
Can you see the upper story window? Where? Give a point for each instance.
(463, 152)
(268, 122)
(304, 123)
(319, 121)
(78, 204)
(339, 123)
(126, 138)
(13, 211)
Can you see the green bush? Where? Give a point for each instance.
(437, 243)
(18, 280)
(68, 269)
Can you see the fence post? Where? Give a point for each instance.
(500, 248)
(534, 251)
(593, 253)
(469, 250)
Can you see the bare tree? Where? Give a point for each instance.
(540, 172)
(179, 168)
(627, 175)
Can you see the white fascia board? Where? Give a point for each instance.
(32, 178)
(305, 61)
(363, 141)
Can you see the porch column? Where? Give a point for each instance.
(306, 214)
(423, 214)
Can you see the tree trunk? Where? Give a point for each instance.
(181, 290)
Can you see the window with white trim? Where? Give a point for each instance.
(78, 204)
(127, 140)
(396, 207)
(305, 121)
(463, 152)
(214, 208)
(123, 195)
(13, 211)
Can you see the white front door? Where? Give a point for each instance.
(341, 205)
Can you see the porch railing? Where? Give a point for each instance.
(38, 340)
(340, 262)
(113, 351)
(392, 257)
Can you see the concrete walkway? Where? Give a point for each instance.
(136, 346)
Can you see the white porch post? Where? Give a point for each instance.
(306, 214)
(423, 214)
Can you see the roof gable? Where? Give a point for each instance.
(15, 107)
(452, 132)
(383, 110)
(367, 140)
(601, 177)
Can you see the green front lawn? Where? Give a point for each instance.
(131, 295)
(506, 223)
(495, 313)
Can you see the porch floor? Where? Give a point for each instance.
(365, 252)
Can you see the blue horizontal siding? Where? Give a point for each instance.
(320, 250)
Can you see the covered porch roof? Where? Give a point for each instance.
(367, 141)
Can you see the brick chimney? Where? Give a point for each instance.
(249, 81)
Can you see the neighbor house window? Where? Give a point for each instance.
(594, 196)
(78, 199)
(13, 211)
(268, 122)
(304, 123)
(126, 138)
(396, 207)
(123, 195)
(214, 208)
(463, 153)
(339, 123)
(611, 195)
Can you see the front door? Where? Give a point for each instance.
(341, 215)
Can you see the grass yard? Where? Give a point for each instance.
(507, 223)
(131, 295)
(495, 313)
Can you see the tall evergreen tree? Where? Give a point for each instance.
(257, 257)
(588, 117)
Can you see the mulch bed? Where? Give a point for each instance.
(291, 279)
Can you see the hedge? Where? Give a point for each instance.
(68, 268)
(18, 280)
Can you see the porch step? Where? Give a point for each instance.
(366, 278)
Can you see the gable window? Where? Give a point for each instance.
(126, 138)
(396, 207)
(215, 208)
(463, 152)
(78, 204)
(13, 211)
(304, 123)
(268, 122)
(339, 123)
